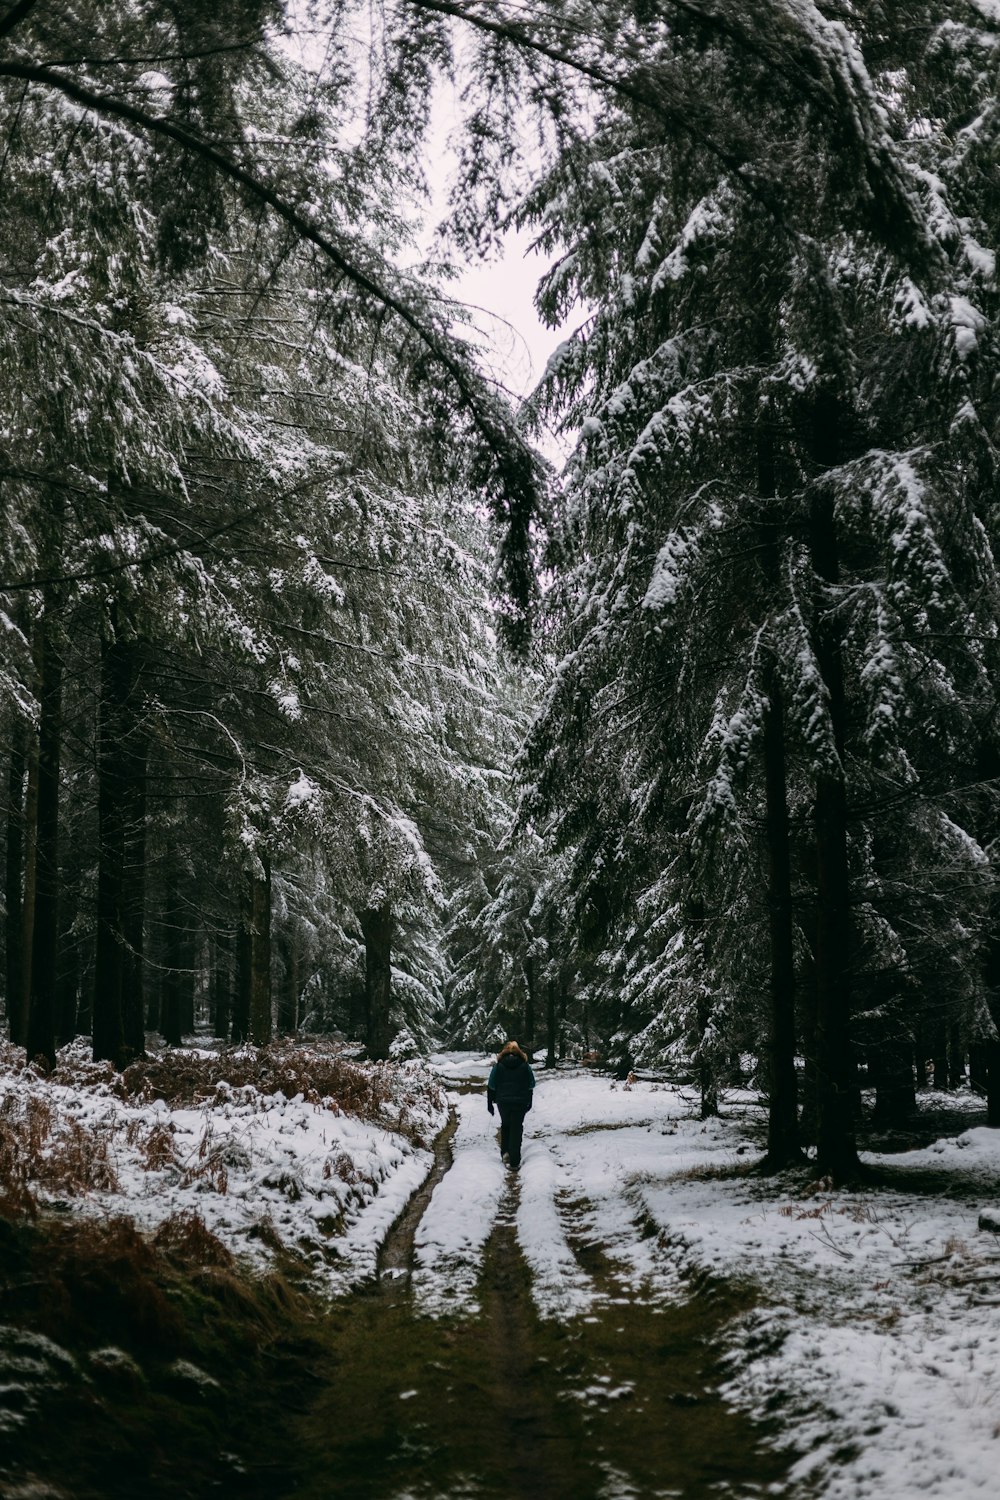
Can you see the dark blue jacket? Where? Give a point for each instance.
(511, 1082)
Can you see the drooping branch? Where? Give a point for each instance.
(146, 559)
(813, 58)
(513, 475)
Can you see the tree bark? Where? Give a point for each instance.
(891, 1069)
(979, 1067)
(13, 888)
(708, 1082)
(836, 1146)
(782, 1126)
(41, 1034)
(187, 977)
(376, 928)
(68, 976)
(109, 1029)
(29, 889)
(261, 1024)
(993, 1084)
(222, 985)
(551, 1020)
(528, 1042)
(939, 1054)
(244, 963)
(288, 1004)
(170, 994)
(134, 898)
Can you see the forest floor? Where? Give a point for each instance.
(248, 1288)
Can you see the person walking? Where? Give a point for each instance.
(510, 1087)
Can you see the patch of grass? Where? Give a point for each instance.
(925, 1182)
(716, 1172)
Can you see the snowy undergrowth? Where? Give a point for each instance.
(288, 1147)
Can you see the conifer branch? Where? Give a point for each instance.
(516, 480)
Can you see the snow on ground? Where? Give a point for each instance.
(880, 1342)
(453, 1232)
(257, 1167)
(588, 1143)
(559, 1285)
(461, 1067)
(877, 1339)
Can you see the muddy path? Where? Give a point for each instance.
(395, 1258)
(505, 1405)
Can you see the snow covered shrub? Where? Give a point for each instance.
(51, 1150)
(321, 1073)
(16, 1197)
(403, 1047)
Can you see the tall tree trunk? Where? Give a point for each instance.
(260, 994)
(807, 1030)
(782, 1127)
(288, 1004)
(376, 928)
(187, 977)
(113, 734)
(993, 1084)
(13, 888)
(68, 976)
(891, 1063)
(134, 897)
(30, 889)
(528, 1041)
(170, 993)
(85, 989)
(41, 1031)
(551, 1020)
(705, 1060)
(939, 1053)
(222, 984)
(244, 962)
(708, 1083)
(979, 1066)
(836, 1147)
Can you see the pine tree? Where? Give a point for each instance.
(774, 570)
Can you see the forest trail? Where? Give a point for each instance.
(526, 1338)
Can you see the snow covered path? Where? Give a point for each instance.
(452, 1235)
(875, 1319)
(634, 1313)
(573, 1200)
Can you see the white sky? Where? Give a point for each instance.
(519, 345)
(500, 293)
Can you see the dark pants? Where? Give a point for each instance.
(511, 1131)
